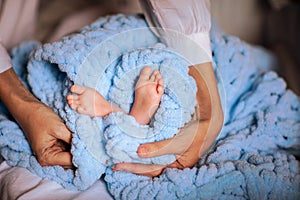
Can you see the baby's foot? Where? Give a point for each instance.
(148, 93)
(89, 102)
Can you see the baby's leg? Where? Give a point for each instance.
(89, 102)
(148, 93)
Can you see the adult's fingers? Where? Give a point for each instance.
(63, 159)
(55, 155)
(146, 170)
(140, 169)
(63, 133)
(176, 145)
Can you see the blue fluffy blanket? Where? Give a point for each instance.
(253, 158)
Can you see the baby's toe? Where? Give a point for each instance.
(145, 73)
(78, 89)
(160, 89)
(160, 86)
(153, 76)
(161, 82)
(72, 97)
(158, 77)
(73, 105)
(69, 97)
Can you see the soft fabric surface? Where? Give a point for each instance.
(111, 64)
(253, 158)
(19, 183)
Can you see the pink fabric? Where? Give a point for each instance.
(17, 21)
(19, 183)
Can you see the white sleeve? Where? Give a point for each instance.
(175, 19)
(5, 61)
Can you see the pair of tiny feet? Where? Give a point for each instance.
(148, 92)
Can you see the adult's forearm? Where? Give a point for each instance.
(209, 111)
(45, 131)
(15, 96)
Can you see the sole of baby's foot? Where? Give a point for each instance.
(89, 102)
(148, 92)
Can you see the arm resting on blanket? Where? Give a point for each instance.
(43, 128)
(209, 110)
(196, 137)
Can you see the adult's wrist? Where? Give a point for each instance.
(209, 109)
(19, 101)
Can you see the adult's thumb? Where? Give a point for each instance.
(176, 145)
(63, 133)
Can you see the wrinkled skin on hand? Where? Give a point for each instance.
(48, 136)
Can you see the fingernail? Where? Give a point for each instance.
(114, 168)
(142, 151)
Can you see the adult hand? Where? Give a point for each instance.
(195, 138)
(186, 145)
(47, 134)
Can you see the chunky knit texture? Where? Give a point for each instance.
(253, 158)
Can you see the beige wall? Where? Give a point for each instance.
(243, 18)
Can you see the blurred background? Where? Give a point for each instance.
(274, 24)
